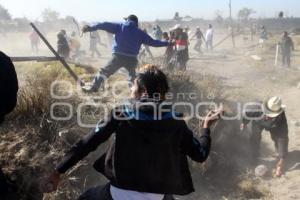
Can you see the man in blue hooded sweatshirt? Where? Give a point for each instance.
(126, 47)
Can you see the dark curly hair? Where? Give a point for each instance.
(153, 81)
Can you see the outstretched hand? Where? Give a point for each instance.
(212, 117)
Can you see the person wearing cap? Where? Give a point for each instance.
(199, 36)
(182, 43)
(287, 46)
(150, 143)
(269, 116)
(209, 36)
(127, 43)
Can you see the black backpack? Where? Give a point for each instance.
(8, 86)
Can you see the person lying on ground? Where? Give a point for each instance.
(147, 158)
(269, 116)
(127, 43)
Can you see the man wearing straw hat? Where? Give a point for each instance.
(269, 116)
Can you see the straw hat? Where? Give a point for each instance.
(273, 107)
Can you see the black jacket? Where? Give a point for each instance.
(8, 86)
(148, 154)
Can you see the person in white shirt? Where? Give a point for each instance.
(209, 36)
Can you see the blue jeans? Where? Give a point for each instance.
(118, 61)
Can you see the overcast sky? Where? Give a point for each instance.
(93, 10)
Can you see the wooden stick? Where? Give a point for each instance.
(231, 24)
(62, 60)
(33, 58)
(222, 40)
(276, 55)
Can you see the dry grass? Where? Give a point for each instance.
(32, 148)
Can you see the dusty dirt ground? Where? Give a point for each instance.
(244, 79)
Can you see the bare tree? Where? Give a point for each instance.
(4, 14)
(244, 14)
(219, 17)
(50, 15)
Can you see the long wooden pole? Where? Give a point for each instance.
(33, 58)
(228, 36)
(62, 60)
(231, 22)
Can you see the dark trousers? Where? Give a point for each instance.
(3, 185)
(280, 141)
(182, 58)
(286, 59)
(118, 61)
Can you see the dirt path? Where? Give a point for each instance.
(246, 79)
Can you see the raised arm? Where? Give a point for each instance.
(154, 43)
(81, 149)
(87, 144)
(105, 26)
(198, 148)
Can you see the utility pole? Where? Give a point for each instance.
(230, 16)
(231, 24)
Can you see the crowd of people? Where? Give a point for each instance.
(177, 54)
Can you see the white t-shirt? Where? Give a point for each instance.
(120, 194)
(209, 34)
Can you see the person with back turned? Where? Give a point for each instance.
(147, 158)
